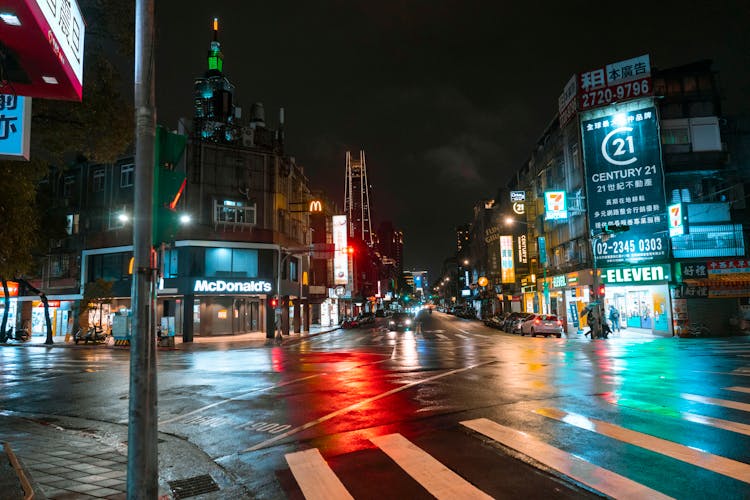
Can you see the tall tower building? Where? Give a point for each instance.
(213, 96)
(357, 199)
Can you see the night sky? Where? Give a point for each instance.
(447, 98)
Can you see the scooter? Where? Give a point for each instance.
(21, 335)
(93, 335)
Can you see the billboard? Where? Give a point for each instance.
(341, 255)
(567, 104)
(616, 82)
(507, 271)
(15, 127)
(625, 185)
(555, 205)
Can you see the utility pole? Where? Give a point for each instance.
(142, 478)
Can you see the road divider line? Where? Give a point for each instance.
(349, 408)
(314, 477)
(605, 481)
(715, 463)
(435, 477)
(716, 402)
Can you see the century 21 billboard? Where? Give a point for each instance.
(625, 186)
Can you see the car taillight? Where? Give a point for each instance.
(537, 321)
(559, 322)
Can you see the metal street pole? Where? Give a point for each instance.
(142, 475)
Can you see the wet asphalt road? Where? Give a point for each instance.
(602, 401)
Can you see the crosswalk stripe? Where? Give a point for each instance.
(598, 478)
(441, 336)
(435, 477)
(727, 425)
(738, 389)
(314, 477)
(378, 338)
(716, 402)
(461, 336)
(709, 461)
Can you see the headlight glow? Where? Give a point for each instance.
(408, 322)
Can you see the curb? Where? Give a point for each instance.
(30, 492)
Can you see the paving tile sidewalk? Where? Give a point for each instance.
(77, 459)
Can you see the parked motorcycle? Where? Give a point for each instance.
(20, 335)
(94, 335)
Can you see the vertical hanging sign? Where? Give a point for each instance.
(341, 255)
(15, 127)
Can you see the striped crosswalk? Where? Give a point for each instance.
(561, 457)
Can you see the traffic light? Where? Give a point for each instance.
(274, 302)
(350, 250)
(600, 291)
(169, 184)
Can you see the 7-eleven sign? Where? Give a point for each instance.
(676, 216)
(555, 205)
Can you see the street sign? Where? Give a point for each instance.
(15, 127)
(518, 196)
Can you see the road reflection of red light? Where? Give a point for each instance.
(277, 363)
(348, 379)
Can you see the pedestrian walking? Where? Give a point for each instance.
(614, 318)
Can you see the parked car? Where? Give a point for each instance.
(401, 321)
(542, 324)
(512, 323)
(349, 322)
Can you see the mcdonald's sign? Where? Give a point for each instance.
(316, 206)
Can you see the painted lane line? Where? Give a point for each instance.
(716, 402)
(738, 389)
(366, 401)
(314, 477)
(435, 477)
(441, 336)
(605, 481)
(464, 331)
(461, 336)
(715, 463)
(218, 403)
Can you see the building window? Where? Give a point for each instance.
(68, 183)
(231, 262)
(126, 175)
(234, 212)
(294, 269)
(675, 135)
(110, 266)
(59, 266)
(71, 224)
(170, 263)
(97, 180)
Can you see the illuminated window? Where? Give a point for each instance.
(234, 212)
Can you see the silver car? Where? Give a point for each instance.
(542, 324)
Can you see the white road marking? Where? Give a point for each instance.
(378, 338)
(598, 478)
(716, 402)
(369, 400)
(314, 477)
(441, 336)
(738, 389)
(435, 477)
(715, 463)
(719, 423)
(461, 336)
(464, 331)
(218, 403)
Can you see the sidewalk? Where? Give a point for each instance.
(66, 458)
(253, 338)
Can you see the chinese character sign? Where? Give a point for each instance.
(617, 82)
(341, 255)
(507, 273)
(625, 185)
(66, 33)
(15, 127)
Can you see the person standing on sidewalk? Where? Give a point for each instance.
(614, 318)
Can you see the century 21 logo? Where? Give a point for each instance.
(617, 147)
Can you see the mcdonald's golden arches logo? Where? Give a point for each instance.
(316, 206)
